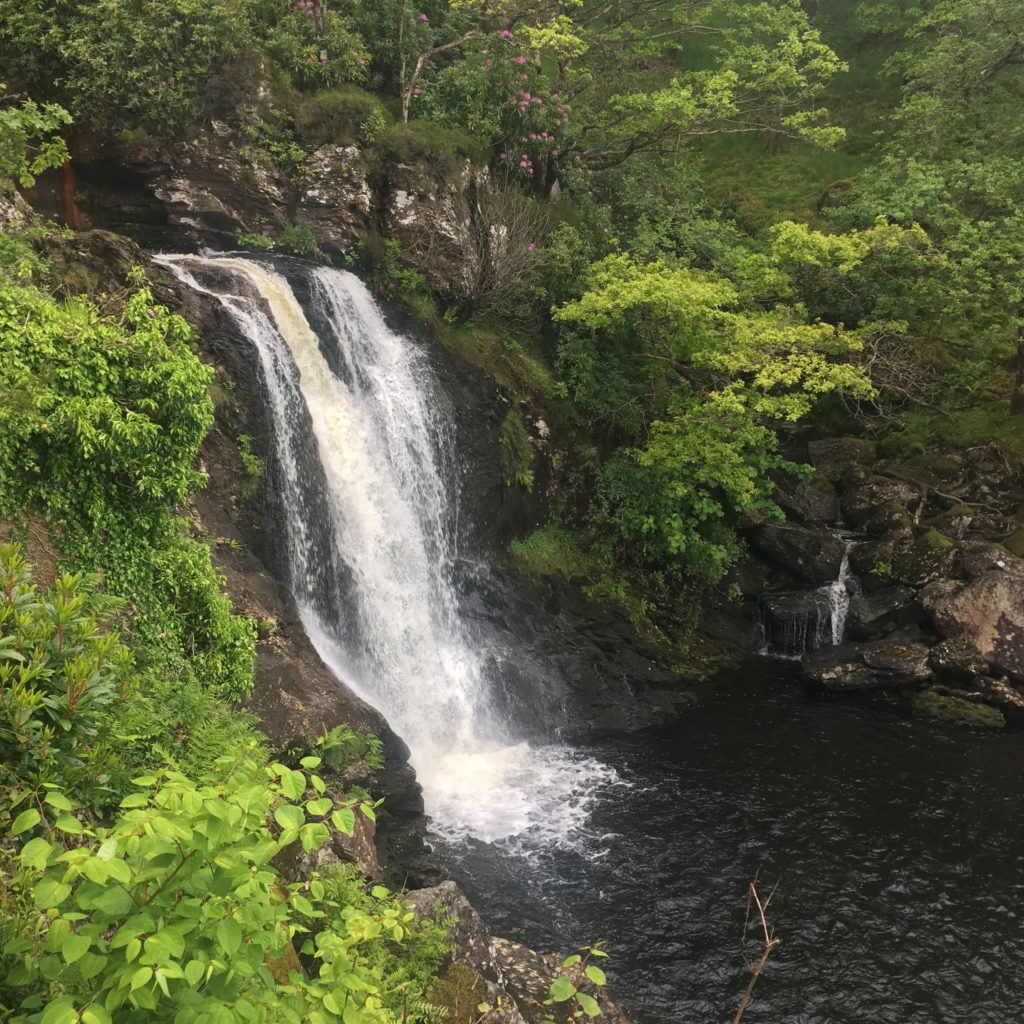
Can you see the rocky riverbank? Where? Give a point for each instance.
(937, 613)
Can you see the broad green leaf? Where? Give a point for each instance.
(561, 989)
(74, 947)
(229, 935)
(36, 853)
(59, 1011)
(24, 821)
(49, 892)
(141, 977)
(379, 892)
(69, 824)
(56, 799)
(571, 961)
(288, 816)
(194, 970)
(596, 975)
(588, 1004)
(344, 820)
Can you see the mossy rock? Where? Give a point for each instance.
(1015, 543)
(460, 991)
(957, 710)
(344, 116)
(933, 556)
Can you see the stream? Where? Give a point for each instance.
(897, 846)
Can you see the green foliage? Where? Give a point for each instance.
(345, 115)
(29, 140)
(63, 668)
(176, 911)
(102, 433)
(341, 747)
(716, 370)
(573, 991)
(312, 54)
(255, 467)
(299, 239)
(124, 63)
(254, 240)
(113, 419)
(271, 141)
(516, 451)
(405, 954)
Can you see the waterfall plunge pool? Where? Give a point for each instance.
(897, 845)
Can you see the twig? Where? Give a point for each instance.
(770, 943)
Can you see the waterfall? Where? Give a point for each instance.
(361, 449)
(837, 594)
(796, 622)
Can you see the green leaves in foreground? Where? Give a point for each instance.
(568, 988)
(177, 912)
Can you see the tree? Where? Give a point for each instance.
(693, 376)
(952, 164)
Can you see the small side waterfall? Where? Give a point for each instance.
(361, 444)
(796, 622)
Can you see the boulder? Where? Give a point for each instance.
(988, 611)
(861, 502)
(956, 709)
(795, 621)
(900, 662)
(884, 663)
(1015, 543)
(957, 660)
(527, 975)
(813, 552)
(811, 499)
(468, 937)
(889, 520)
(872, 614)
(833, 456)
(954, 522)
(872, 560)
(931, 557)
(978, 558)
(1000, 693)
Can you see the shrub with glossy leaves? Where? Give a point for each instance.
(176, 911)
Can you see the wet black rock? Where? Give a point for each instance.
(811, 499)
(884, 663)
(813, 552)
(875, 613)
(833, 456)
(931, 557)
(862, 501)
(957, 660)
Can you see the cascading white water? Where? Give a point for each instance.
(798, 622)
(375, 581)
(837, 593)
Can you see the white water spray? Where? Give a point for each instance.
(375, 581)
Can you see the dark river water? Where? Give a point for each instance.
(897, 846)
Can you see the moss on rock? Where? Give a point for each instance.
(957, 710)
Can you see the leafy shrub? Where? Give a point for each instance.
(176, 910)
(343, 115)
(62, 669)
(516, 451)
(314, 58)
(425, 141)
(103, 434)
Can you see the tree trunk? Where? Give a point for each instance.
(72, 215)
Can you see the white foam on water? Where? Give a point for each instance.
(398, 637)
